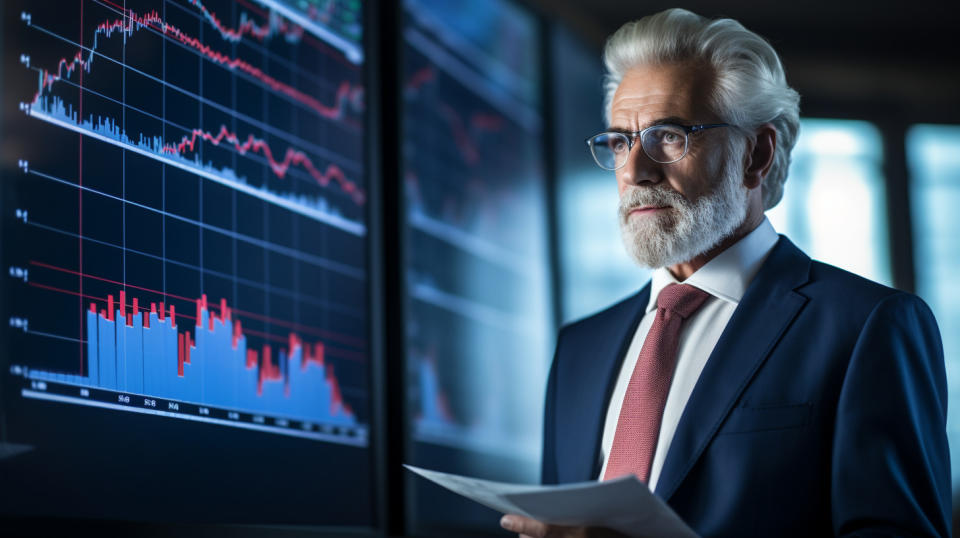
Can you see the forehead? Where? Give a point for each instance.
(649, 93)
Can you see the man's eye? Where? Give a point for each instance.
(671, 138)
(619, 146)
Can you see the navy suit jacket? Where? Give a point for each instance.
(821, 411)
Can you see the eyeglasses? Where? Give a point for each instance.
(664, 143)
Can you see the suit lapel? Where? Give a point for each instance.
(767, 308)
(587, 386)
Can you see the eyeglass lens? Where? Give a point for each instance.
(662, 143)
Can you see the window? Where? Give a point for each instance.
(933, 156)
(834, 205)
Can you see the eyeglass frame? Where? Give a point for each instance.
(633, 136)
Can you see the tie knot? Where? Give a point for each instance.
(681, 299)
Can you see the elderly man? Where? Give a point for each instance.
(758, 392)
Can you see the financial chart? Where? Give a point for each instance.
(185, 235)
(477, 300)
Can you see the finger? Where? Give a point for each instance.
(523, 525)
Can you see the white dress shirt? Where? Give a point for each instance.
(725, 278)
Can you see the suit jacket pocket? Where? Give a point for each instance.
(765, 418)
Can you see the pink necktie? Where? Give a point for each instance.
(638, 427)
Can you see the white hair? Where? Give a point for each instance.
(750, 87)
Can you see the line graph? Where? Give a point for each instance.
(184, 249)
(276, 25)
(132, 22)
(52, 108)
(241, 179)
(344, 37)
(473, 201)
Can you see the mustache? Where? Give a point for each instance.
(637, 197)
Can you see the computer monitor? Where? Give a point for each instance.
(184, 248)
(477, 302)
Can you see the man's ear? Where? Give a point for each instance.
(760, 156)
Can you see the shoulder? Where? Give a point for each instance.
(851, 295)
(863, 310)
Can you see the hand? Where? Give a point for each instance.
(531, 528)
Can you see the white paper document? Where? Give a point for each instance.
(624, 504)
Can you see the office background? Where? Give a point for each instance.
(257, 254)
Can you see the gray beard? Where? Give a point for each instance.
(687, 230)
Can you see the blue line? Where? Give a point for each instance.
(293, 172)
(337, 221)
(229, 111)
(350, 50)
(181, 45)
(360, 441)
(57, 336)
(273, 57)
(252, 43)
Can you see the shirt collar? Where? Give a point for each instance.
(728, 274)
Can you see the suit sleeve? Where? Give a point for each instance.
(890, 463)
(548, 472)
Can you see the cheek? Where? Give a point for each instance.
(622, 185)
(696, 177)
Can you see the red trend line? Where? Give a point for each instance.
(291, 157)
(421, 77)
(267, 369)
(275, 25)
(463, 137)
(316, 43)
(345, 92)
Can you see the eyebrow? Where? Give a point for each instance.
(676, 120)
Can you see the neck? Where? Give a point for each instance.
(682, 271)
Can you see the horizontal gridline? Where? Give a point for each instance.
(474, 82)
(299, 296)
(350, 164)
(162, 35)
(345, 339)
(337, 221)
(362, 442)
(263, 161)
(346, 270)
(352, 51)
(250, 43)
(334, 351)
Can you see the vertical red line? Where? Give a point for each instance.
(135, 312)
(173, 317)
(237, 332)
(123, 306)
(179, 353)
(110, 307)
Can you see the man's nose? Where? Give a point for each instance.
(640, 168)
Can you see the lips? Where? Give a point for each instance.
(647, 210)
